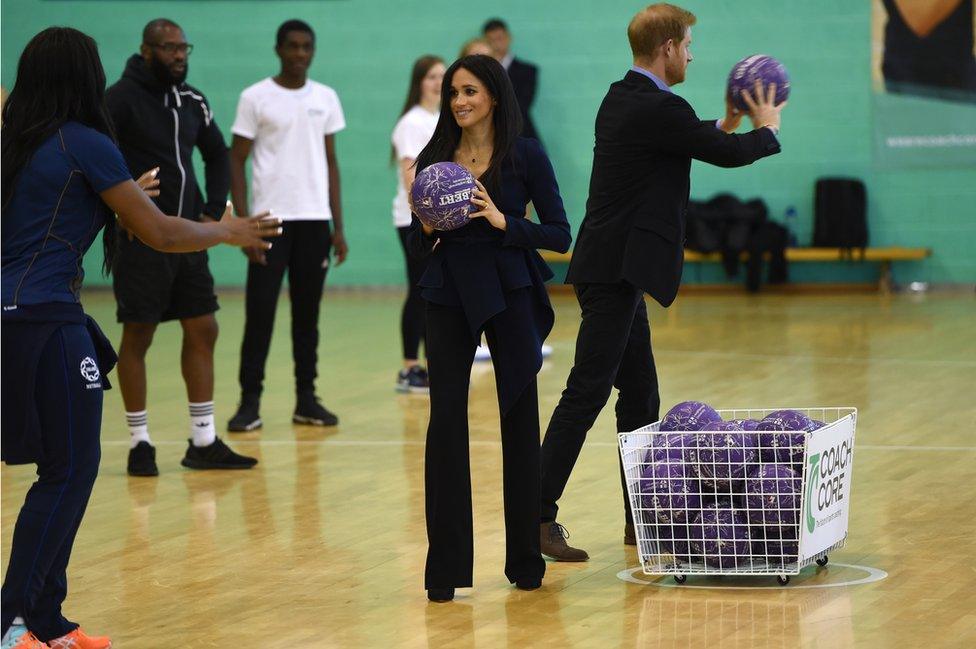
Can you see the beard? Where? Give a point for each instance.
(166, 76)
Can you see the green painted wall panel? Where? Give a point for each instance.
(366, 47)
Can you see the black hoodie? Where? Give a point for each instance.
(158, 126)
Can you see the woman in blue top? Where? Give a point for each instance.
(63, 178)
(486, 277)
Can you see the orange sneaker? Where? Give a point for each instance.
(78, 640)
(28, 640)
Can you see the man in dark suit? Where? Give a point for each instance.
(524, 75)
(631, 241)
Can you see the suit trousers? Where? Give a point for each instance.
(447, 475)
(613, 350)
(303, 250)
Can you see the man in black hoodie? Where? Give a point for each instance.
(159, 119)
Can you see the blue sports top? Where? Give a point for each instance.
(54, 214)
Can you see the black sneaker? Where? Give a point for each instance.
(142, 460)
(310, 411)
(247, 416)
(216, 456)
(414, 381)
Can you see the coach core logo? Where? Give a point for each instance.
(89, 372)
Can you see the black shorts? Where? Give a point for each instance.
(152, 286)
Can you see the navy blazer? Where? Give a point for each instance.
(635, 214)
(475, 266)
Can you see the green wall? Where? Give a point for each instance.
(366, 47)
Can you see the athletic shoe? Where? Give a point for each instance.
(215, 456)
(247, 416)
(552, 537)
(78, 640)
(310, 411)
(546, 351)
(413, 380)
(142, 460)
(18, 637)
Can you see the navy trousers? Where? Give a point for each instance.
(447, 469)
(613, 350)
(68, 398)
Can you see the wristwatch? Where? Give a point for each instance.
(772, 128)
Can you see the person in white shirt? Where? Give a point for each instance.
(417, 122)
(289, 122)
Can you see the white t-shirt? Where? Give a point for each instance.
(289, 171)
(410, 135)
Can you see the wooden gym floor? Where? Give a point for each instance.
(322, 545)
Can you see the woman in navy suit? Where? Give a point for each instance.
(486, 277)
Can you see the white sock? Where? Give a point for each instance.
(202, 426)
(138, 423)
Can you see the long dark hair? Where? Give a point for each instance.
(60, 78)
(420, 69)
(506, 119)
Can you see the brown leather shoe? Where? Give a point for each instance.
(630, 536)
(553, 539)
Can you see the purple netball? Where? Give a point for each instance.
(746, 424)
(669, 491)
(773, 496)
(784, 447)
(815, 424)
(441, 195)
(782, 438)
(723, 458)
(689, 416)
(720, 537)
(784, 420)
(759, 67)
(670, 445)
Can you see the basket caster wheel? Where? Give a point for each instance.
(680, 579)
(822, 561)
(783, 579)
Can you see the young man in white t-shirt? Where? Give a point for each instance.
(289, 122)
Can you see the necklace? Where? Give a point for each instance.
(474, 158)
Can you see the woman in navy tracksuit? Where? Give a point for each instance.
(63, 178)
(486, 276)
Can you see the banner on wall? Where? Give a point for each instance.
(924, 75)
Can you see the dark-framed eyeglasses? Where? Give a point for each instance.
(173, 48)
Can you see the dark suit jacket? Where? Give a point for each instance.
(635, 214)
(524, 78)
(477, 266)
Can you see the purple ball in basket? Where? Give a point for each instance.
(673, 447)
(776, 544)
(669, 491)
(759, 67)
(781, 436)
(773, 496)
(784, 420)
(720, 536)
(725, 456)
(689, 416)
(746, 424)
(441, 195)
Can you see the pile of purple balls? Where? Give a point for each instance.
(725, 493)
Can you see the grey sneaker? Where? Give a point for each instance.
(414, 381)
